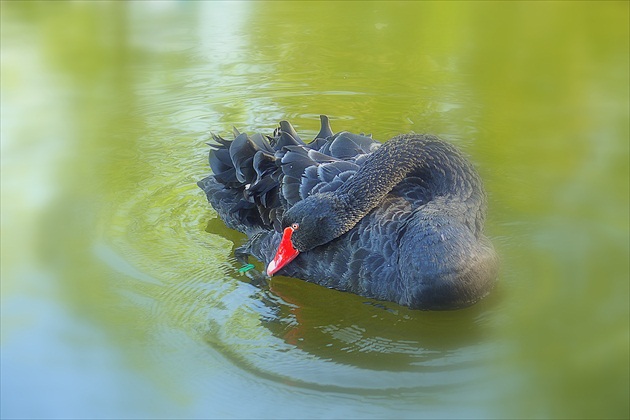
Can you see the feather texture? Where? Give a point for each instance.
(400, 222)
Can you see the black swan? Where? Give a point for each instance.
(400, 221)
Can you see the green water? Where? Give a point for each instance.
(120, 293)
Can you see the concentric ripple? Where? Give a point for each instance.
(167, 238)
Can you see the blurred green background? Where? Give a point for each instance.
(120, 294)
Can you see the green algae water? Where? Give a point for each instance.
(121, 296)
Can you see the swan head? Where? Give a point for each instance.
(311, 222)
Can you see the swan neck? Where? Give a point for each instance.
(447, 174)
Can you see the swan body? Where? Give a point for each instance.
(400, 221)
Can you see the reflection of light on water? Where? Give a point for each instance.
(34, 141)
(115, 261)
(55, 362)
(221, 28)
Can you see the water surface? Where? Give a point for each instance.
(120, 293)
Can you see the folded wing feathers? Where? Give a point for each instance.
(272, 173)
(325, 131)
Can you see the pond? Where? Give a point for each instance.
(121, 296)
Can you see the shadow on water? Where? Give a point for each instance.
(350, 337)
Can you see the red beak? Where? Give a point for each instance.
(285, 254)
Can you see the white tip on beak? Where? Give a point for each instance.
(271, 268)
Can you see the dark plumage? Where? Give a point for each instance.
(401, 221)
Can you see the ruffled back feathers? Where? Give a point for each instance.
(256, 178)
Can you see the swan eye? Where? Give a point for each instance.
(295, 226)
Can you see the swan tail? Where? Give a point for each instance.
(236, 213)
(243, 188)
